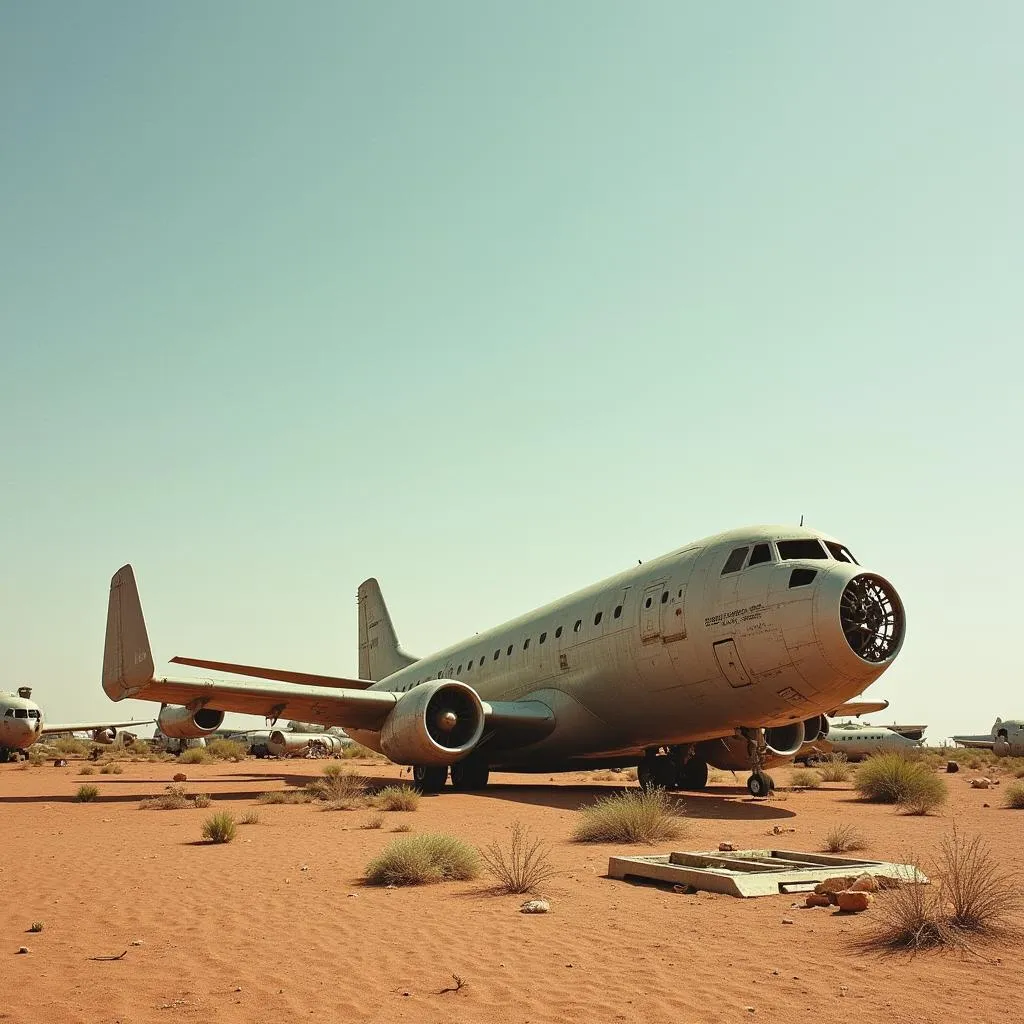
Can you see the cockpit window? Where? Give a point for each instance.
(800, 549)
(840, 553)
(9, 713)
(761, 553)
(33, 713)
(21, 713)
(735, 561)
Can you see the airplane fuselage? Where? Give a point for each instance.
(750, 628)
(21, 723)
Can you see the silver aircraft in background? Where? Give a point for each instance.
(22, 724)
(730, 651)
(1005, 740)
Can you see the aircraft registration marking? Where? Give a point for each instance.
(751, 613)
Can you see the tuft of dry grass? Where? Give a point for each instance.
(71, 746)
(194, 755)
(632, 816)
(396, 798)
(524, 866)
(86, 794)
(219, 828)
(928, 793)
(404, 827)
(972, 898)
(353, 750)
(226, 750)
(834, 768)
(341, 788)
(87, 769)
(892, 778)
(112, 768)
(250, 818)
(422, 859)
(1014, 796)
(842, 838)
(36, 927)
(375, 821)
(804, 778)
(175, 799)
(286, 797)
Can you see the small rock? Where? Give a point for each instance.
(305, 867)
(787, 920)
(986, 805)
(751, 1009)
(23, 949)
(535, 907)
(834, 885)
(775, 973)
(815, 899)
(952, 767)
(180, 777)
(239, 988)
(136, 942)
(865, 883)
(726, 847)
(853, 902)
(980, 783)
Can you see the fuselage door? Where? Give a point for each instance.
(729, 662)
(650, 613)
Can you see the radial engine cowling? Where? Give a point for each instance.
(731, 753)
(433, 724)
(104, 736)
(184, 724)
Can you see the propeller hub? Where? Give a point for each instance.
(447, 720)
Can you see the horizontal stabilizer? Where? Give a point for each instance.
(978, 742)
(283, 675)
(859, 707)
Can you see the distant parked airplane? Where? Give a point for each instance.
(858, 740)
(1006, 738)
(21, 725)
(730, 651)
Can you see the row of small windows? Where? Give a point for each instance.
(21, 713)
(577, 626)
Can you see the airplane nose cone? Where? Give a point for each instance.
(871, 614)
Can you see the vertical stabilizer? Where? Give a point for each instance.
(127, 661)
(379, 653)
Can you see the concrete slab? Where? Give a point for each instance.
(753, 872)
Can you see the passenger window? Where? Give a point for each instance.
(576, 628)
(680, 591)
(469, 666)
(543, 637)
(597, 618)
(647, 603)
(800, 549)
(526, 644)
(509, 651)
(459, 671)
(761, 553)
(618, 610)
(558, 632)
(664, 598)
(735, 561)
(496, 653)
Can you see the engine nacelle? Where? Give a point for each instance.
(433, 724)
(815, 729)
(104, 736)
(178, 723)
(732, 753)
(282, 743)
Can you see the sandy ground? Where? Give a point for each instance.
(278, 926)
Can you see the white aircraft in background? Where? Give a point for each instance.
(858, 740)
(1006, 738)
(21, 724)
(729, 652)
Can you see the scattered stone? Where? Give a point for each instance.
(833, 885)
(952, 767)
(535, 907)
(853, 902)
(726, 847)
(980, 783)
(777, 830)
(986, 805)
(136, 942)
(865, 883)
(239, 988)
(180, 777)
(787, 920)
(305, 867)
(751, 1009)
(815, 899)
(23, 949)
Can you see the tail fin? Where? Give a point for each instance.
(127, 661)
(379, 653)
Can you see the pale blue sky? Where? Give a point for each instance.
(490, 300)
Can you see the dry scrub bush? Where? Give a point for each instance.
(396, 798)
(404, 827)
(219, 828)
(970, 897)
(422, 859)
(928, 793)
(352, 750)
(86, 794)
(841, 838)
(376, 821)
(341, 788)
(37, 757)
(194, 755)
(524, 866)
(175, 799)
(226, 750)
(1014, 796)
(111, 768)
(71, 746)
(250, 818)
(803, 778)
(834, 768)
(891, 778)
(87, 769)
(632, 816)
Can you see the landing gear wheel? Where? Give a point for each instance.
(656, 773)
(429, 778)
(470, 775)
(693, 774)
(760, 784)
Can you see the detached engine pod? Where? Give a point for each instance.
(437, 723)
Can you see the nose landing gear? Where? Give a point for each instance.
(760, 784)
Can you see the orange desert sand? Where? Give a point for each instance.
(277, 925)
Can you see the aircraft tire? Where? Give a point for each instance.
(656, 773)
(693, 774)
(759, 785)
(470, 775)
(429, 778)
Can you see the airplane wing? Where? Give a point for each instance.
(283, 675)
(978, 742)
(859, 707)
(92, 726)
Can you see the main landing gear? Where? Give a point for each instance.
(674, 770)
(760, 785)
(468, 776)
(429, 778)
